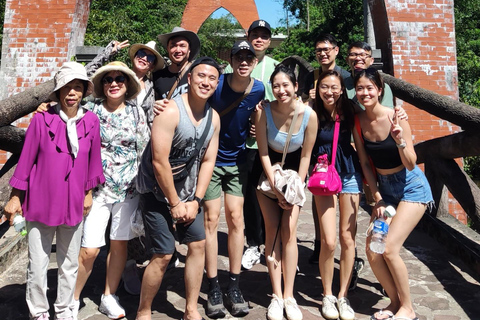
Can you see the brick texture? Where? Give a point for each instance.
(196, 12)
(417, 40)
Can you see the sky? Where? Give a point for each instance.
(269, 10)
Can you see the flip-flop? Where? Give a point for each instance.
(403, 318)
(386, 312)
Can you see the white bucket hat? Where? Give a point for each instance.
(70, 71)
(150, 46)
(133, 88)
(191, 36)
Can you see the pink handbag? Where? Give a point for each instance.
(324, 180)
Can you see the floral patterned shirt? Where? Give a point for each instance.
(123, 142)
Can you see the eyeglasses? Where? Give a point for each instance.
(362, 55)
(240, 58)
(142, 54)
(117, 79)
(333, 89)
(326, 49)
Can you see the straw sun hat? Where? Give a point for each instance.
(133, 85)
(152, 47)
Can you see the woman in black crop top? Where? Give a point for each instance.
(388, 141)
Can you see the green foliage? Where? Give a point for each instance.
(218, 35)
(139, 21)
(342, 18)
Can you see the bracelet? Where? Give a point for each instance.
(380, 202)
(171, 207)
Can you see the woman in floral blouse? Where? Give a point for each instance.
(124, 134)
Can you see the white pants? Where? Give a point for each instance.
(40, 239)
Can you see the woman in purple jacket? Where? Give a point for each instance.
(52, 185)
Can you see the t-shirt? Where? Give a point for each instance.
(163, 81)
(387, 99)
(310, 81)
(235, 125)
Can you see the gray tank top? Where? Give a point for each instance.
(183, 144)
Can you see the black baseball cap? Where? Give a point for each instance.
(260, 24)
(205, 60)
(242, 45)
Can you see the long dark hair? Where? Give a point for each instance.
(374, 76)
(344, 105)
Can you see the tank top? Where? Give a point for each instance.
(277, 138)
(384, 153)
(183, 144)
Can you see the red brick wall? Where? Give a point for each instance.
(423, 52)
(196, 12)
(38, 37)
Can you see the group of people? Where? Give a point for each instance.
(165, 139)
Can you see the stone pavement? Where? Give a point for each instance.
(442, 286)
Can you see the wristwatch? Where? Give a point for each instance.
(199, 200)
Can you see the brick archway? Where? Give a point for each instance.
(197, 11)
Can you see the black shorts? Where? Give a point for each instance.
(159, 231)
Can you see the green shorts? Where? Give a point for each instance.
(229, 179)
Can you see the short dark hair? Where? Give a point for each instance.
(360, 44)
(205, 60)
(284, 69)
(323, 37)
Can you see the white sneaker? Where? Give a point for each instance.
(346, 312)
(76, 307)
(110, 306)
(250, 257)
(292, 309)
(275, 309)
(329, 308)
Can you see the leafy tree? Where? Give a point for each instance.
(218, 35)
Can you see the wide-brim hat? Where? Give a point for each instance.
(191, 36)
(133, 85)
(70, 71)
(150, 46)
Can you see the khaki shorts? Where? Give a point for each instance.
(229, 179)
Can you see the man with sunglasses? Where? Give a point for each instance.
(326, 51)
(360, 57)
(235, 99)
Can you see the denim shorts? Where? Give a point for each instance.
(351, 182)
(405, 185)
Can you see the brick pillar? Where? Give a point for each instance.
(197, 11)
(38, 37)
(420, 39)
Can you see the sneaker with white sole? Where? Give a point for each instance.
(275, 309)
(292, 310)
(110, 306)
(329, 308)
(250, 257)
(75, 307)
(345, 310)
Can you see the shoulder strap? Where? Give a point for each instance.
(240, 99)
(199, 143)
(335, 139)
(358, 127)
(289, 136)
(179, 78)
(316, 74)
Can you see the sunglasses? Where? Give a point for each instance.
(142, 54)
(240, 58)
(117, 79)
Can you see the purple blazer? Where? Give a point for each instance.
(55, 182)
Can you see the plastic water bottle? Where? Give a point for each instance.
(19, 224)
(380, 231)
